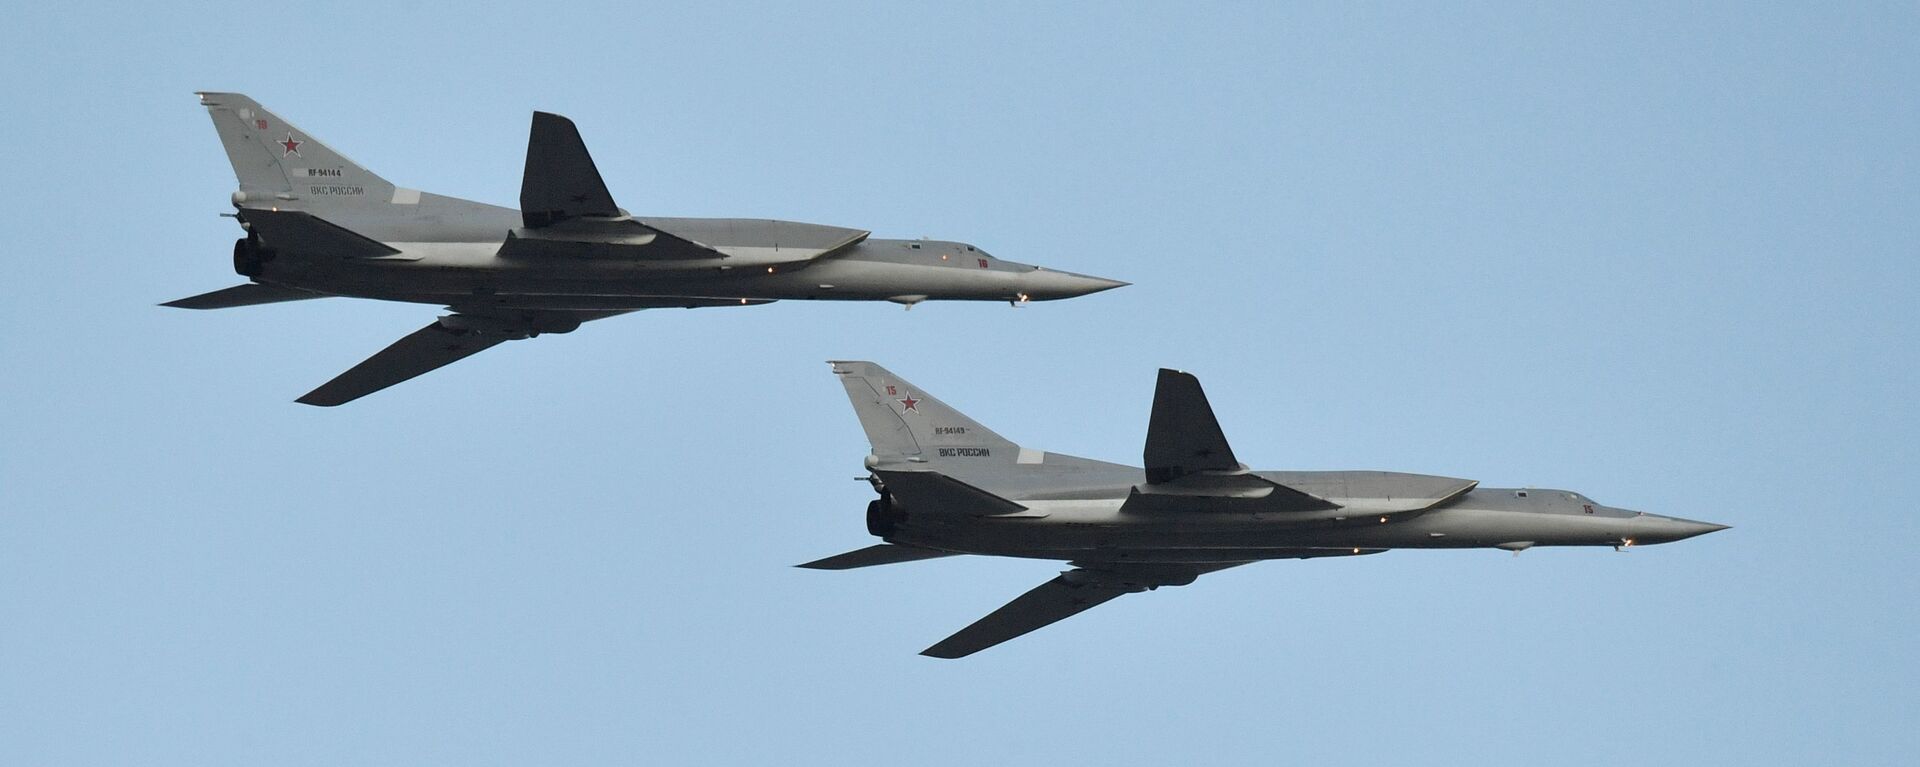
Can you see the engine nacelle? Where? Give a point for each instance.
(531, 325)
(1140, 578)
(883, 518)
(249, 257)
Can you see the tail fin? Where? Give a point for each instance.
(276, 161)
(903, 421)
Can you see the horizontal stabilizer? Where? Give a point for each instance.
(1183, 437)
(879, 554)
(299, 232)
(250, 294)
(561, 181)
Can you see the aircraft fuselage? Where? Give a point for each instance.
(467, 260)
(1099, 529)
(907, 271)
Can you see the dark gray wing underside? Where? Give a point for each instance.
(425, 350)
(453, 338)
(1050, 602)
(1071, 593)
(472, 329)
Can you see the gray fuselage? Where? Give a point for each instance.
(1076, 513)
(456, 258)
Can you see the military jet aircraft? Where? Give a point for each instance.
(318, 225)
(950, 486)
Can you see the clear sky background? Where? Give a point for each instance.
(1662, 256)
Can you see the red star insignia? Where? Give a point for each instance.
(909, 403)
(292, 146)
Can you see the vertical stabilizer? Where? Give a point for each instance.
(276, 161)
(903, 420)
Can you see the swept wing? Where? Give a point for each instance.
(463, 334)
(1089, 585)
(568, 213)
(1190, 465)
(1072, 592)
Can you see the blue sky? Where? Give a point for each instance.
(1663, 256)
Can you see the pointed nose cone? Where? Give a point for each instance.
(1047, 284)
(1691, 528)
(1670, 529)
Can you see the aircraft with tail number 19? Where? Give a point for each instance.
(950, 486)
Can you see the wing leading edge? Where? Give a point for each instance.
(1089, 585)
(1068, 594)
(469, 331)
(443, 342)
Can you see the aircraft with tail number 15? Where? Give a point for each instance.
(318, 225)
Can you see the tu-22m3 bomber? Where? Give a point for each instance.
(318, 225)
(950, 486)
